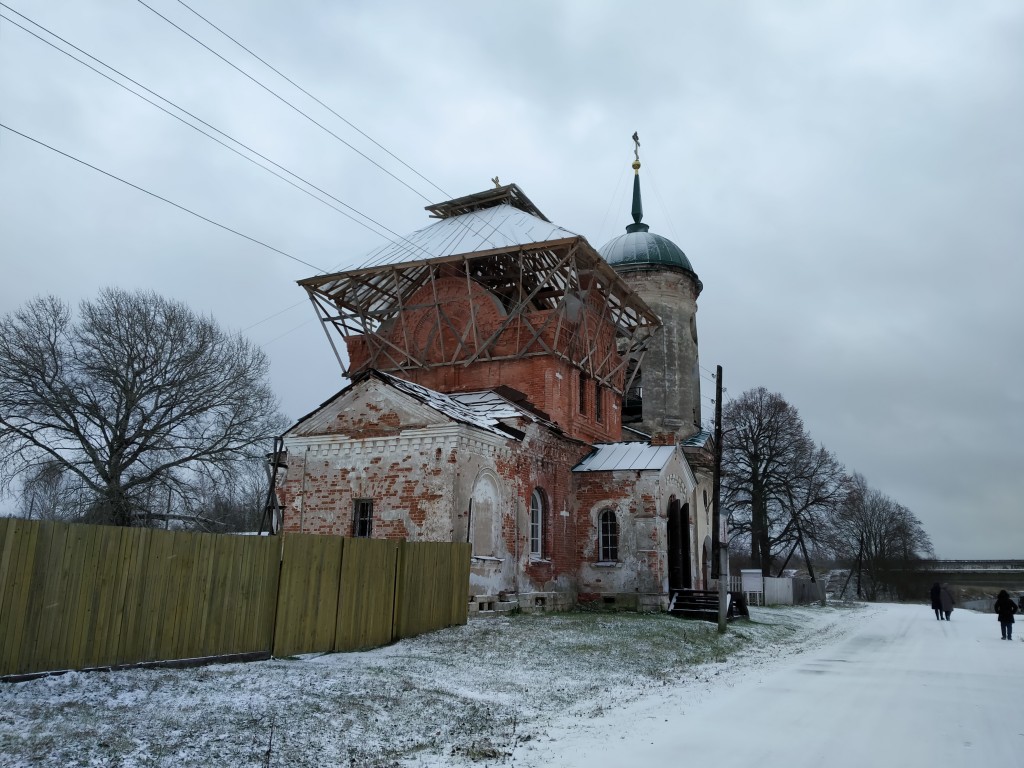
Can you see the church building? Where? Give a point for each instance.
(515, 388)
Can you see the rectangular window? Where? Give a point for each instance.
(537, 524)
(583, 394)
(598, 405)
(609, 542)
(362, 518)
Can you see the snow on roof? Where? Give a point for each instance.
(490, 404)
(496, 228)
(480, 409)
(698, 440)
(614, 456)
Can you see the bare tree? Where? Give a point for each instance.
(885, 538)
(136, 400)
(777, 484)
(234, 504)
(48, 492)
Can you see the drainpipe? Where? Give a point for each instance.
(302, 489)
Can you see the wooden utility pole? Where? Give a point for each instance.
(720, 561)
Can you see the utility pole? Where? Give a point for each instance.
(718, 547)
(860, 563)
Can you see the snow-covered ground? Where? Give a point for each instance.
(848, 685)
(899, 689)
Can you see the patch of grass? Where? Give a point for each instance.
(466, 695)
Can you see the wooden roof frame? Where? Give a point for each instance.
(554, 275)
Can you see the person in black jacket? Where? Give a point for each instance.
(1005, 608)
(936, 600)
(946, 598)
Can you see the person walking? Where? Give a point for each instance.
(946, 599)
(1005, 608)
(936, 600)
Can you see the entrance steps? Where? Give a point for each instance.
(703, 604)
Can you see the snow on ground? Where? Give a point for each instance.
(899, 689)
(565, 690)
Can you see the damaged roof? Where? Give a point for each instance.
(502, 403)
(497, 228)
(509, 194)
(486, 409)
(475, 409)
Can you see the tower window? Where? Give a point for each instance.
(583, 394)
(598, 404)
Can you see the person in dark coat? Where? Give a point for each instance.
(1005, 608)
(946, 598)
(936, 601)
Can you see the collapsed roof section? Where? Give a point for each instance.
(528, 288)
(492, 411)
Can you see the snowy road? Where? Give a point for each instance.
(900, 689)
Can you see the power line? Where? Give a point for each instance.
(286, 102)
(289, 331)
(314, 98)
(405, 244)
(668, 217)
(369, 262)
(204, 218)
(163, 199)
(271, 317)
(204, 133)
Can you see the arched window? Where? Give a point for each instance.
(609, 537)
(537, 523)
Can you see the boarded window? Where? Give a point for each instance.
(483, 515)
(362, 518)
(609, 549)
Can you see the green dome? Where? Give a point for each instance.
(639, 246)
(643, 247)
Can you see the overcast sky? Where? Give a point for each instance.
(847, 180)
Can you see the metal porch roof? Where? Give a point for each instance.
(609, 457)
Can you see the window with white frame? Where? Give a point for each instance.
(537, 523)
(609, 537)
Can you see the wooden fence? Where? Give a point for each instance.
(80, 597)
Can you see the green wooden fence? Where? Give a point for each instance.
(79, 596)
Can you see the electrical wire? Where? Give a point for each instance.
(371, 261)
(211, 127)
(402, 242)
(271, 317)
(613, 201)
(161, 198)
(314, 98)
(286, 102)
(668, 218)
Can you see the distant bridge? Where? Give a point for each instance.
(972, 565)
(994, 574)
